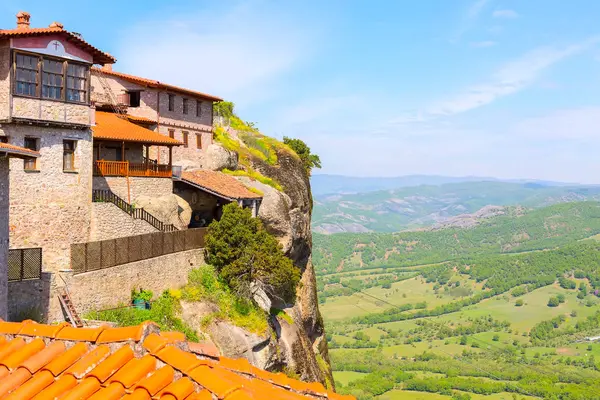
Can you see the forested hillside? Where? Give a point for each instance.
(404, 208)
(517, 231)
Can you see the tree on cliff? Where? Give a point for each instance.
(309, 160)
(245, 254)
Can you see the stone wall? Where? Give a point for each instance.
(51, 110)
(4, 202)
(4, 79)
(31, 299)
(110, 222)
(110, 287)
(138, 186)
(50, 208)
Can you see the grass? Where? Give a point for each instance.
(204, 285)
(283, 315)
(345, 377)
(164, 312)
(252, 174)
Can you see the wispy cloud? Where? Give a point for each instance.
(511, 78)
(484, 43)
(505, 14)
(469, 19)
(238, 52)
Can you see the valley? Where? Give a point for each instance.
(502, 310)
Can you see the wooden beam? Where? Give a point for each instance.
(170, 157)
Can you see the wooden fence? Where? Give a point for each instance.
(93, 256)
(24, 264)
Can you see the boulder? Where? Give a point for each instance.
(260, 297)
(189, 165)
(218, 158)
(170, 209)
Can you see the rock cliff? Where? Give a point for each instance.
(295, 345)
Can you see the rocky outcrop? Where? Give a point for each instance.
(218, 158)
(170, 209)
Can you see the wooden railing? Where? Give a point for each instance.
(125, 168)
(106, 196)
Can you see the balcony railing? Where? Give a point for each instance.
(126, 168)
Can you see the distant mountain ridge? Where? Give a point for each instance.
(412, 207)
(340, 184)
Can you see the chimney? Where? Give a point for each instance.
(107, 67)
(56, 25)
(23, 20)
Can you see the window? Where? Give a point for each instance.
(198, 140)
(172, 133)
(77, 83)
(30, 164)
(52, 79)
(54, 86)
(171, 102)
(186, 106)
(69, 155)
(3, 139)
(185, 139)
(26, 74)
(134, 99)
(198, 108)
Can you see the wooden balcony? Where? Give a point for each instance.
(126, 168)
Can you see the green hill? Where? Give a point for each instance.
(412, 207)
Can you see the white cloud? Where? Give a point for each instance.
(476, 8)
(237, 54)
(484, 43)
(505, 14)
(469, 19)
(513, 77)
(579, 124)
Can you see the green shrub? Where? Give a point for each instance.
(553, 302)
(309, 161)
(141, 294)
(244, 253)
(519, 303)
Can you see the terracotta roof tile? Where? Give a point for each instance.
(110, 126)
(19, 152)
(100, 57)
(141, 120)
(204, 349)
(155, 84)
(219, 183)
(115, 364)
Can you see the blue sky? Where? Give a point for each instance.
(501, 88)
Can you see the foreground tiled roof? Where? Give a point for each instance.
(61, 362)
(155, 84)
(141, 120)
(221, 184)
(100, 57)
(17, 151)
(110, 126)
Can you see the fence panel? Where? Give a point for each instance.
(24, 264)
(102, 254)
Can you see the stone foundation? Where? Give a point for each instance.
(137, 186)
(110, 222)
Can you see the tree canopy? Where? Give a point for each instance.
(309, 160)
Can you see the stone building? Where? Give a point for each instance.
(7, 151)
(45, 107)
(179, 113)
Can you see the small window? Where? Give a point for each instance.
(69, 155)
(171, 102)
(186, 106)
(3, 139)
(172, 133)
(198, 108)
(185, 139)
(77, 83)
(30, 164)
(134, 99)
(26, 75)
(198, 140)
(52, 79)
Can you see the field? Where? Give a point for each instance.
(483, 327)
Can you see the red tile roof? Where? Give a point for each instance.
(110, 126)
(155, 84)
(100, 57)
(219, 183)
(16, 151)
(141, 120)
(58, 361)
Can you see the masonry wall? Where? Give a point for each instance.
(49, 110)
(137, 186)
(110, 222)
(110, 287)
(31, 300)
(4, 79)
(4, 202)
(50, 208)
